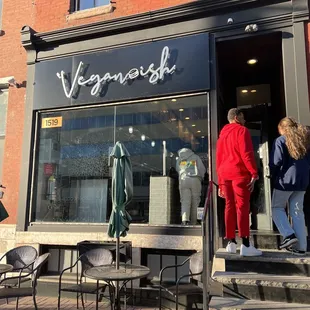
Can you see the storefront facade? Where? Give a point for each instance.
(151, 82)
(85, 104)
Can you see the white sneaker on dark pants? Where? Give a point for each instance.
(231, 248)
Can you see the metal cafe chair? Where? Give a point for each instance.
(18, 292)
(191, 289)
(92, 258)
(22, 259)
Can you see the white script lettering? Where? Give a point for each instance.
(97, 82)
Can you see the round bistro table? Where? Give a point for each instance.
(110, 274)
(4, 268)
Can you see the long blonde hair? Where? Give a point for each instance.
(297, 137)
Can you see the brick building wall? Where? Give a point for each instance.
(41, 15)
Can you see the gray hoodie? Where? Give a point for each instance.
(189, 164)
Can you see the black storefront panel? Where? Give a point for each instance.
(158, 68)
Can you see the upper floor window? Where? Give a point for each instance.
(89, 4)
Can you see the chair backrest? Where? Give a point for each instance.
(95, 258)
(39, 262)
(196, 265)
(21, 256)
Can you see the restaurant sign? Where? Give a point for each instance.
(97, 82)
(147, 70)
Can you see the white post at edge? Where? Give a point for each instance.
(164, 158)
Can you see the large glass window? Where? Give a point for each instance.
(73, 170)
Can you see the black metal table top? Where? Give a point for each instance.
(124, 273)
(5, 268)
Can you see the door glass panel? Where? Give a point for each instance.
(255, 100)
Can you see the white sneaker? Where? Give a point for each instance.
(231, 248)
(250, 251)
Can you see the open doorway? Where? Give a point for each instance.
(250, 76)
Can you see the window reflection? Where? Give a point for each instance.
(73, 175)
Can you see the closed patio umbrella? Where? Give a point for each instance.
(3, 213)
(122, 191)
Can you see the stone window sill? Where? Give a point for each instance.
(90, 12)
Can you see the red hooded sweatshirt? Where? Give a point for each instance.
(234, 154)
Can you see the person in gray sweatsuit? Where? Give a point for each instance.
(191, 172)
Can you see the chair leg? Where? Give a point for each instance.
(82, 299)
(159, 298)
(131, 293)
(77, 300)
(111, 296)
(58, 304)
(7, 300)
(17, 299)
(125, 296)
(97, 301)
(34, 302)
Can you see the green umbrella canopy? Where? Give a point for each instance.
(122, 191)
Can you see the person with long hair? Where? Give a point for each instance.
(290, 168)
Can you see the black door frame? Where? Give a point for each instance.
(295, 86)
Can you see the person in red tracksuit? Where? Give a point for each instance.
(237, 173)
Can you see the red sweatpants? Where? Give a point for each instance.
(237, 209)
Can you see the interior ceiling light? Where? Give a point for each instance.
(181, 110)
(193, 125)
(198, 131)
(143, 137)
(130, 129)
(173, 100)
(252, 61)
(187, 118)
(153, 143)
(253, 91)
(244, 91)
(202, 137)
(173, 119)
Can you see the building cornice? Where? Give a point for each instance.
(28, 43)
(192, 10)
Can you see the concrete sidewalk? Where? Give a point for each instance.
(50, 303)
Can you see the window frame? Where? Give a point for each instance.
(36, 141)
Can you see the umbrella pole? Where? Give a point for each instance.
(118, 301)
(117, 253)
